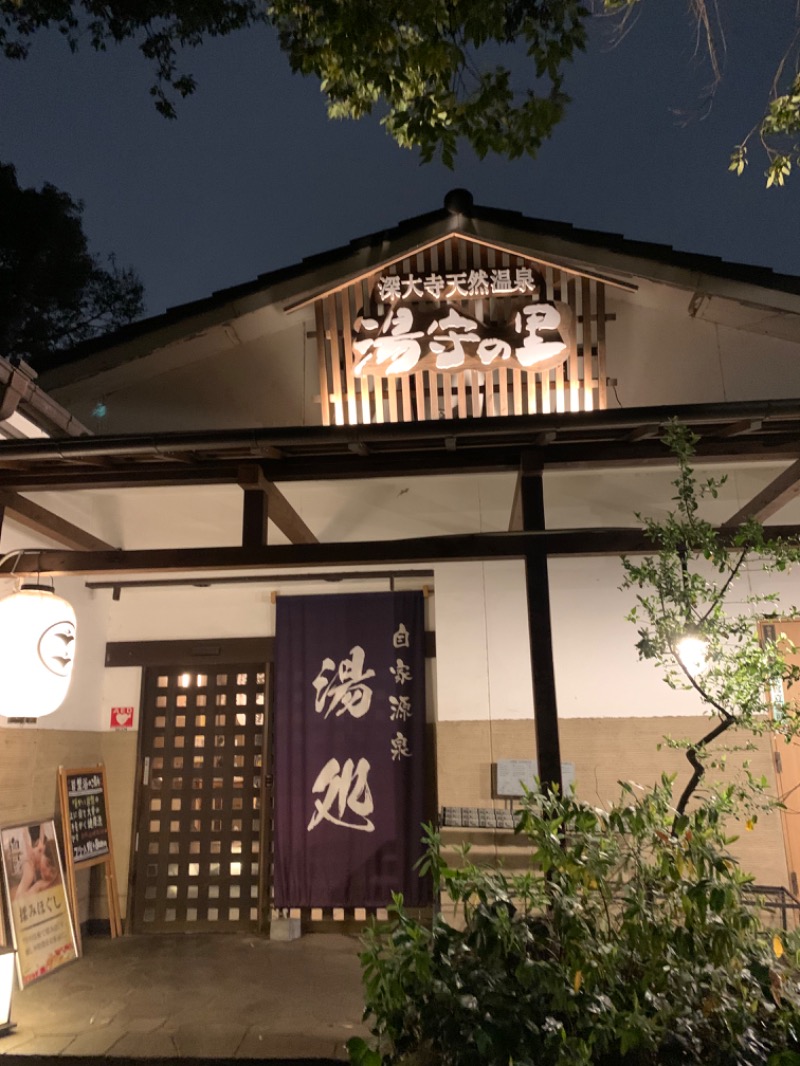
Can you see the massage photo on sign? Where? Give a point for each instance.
(31, 860)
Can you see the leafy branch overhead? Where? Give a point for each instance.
(422, 61)
(691, 587)
(487, 72)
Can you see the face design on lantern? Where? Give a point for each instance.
(57, 647)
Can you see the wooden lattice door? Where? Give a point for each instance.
(197, 849)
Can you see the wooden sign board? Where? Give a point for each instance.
(443, 317)
(85, 815)
(83, 794)
(41, 925)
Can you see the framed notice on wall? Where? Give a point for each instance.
(41, 924)
(87, 833)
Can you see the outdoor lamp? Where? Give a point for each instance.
(692, 651)
(6, 985)
(37, 647)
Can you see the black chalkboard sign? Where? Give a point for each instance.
(87, 834)
(86, 823)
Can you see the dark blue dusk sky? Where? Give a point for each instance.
(253, 176)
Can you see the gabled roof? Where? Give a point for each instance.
(602, 254)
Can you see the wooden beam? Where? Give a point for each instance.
(736, 429)
(777, 494)
(470, 457)
(33, 516)
(461, 547)
(643, 432)
(271, 503)
(200, 652)
(545, 710)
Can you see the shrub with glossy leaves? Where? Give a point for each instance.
(628, 941)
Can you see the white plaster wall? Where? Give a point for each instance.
(660, 355)
(83, 509)
(120, 687)
(461, 643)
(482, 646)
(757, 368)
(598, 673)
(272, 380)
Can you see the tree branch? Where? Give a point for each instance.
(697, 767)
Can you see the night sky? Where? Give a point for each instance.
(253, 176)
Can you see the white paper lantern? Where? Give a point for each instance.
(37, 648)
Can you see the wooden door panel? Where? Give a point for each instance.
(198, 840)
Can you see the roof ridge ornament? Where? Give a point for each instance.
(459, 202)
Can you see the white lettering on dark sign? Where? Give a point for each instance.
(463, 284)
(406, 339)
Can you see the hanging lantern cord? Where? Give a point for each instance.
(16, 554)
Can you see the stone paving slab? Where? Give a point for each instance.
(46, 1045)
(208, 998)
(288, 1045)
(208, 1041)
(95, 1042)
(156, 1045)
(145, 1025)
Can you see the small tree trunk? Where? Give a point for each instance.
(697, 767)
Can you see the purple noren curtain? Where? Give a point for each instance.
(349, 749)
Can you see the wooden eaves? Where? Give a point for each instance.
(257, 459)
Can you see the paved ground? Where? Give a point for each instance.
(199, 996)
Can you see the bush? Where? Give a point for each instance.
(626, 942)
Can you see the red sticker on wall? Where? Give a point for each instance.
(121, 717)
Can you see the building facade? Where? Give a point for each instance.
(469, 404)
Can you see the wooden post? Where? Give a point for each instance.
(548, 746)
(255, 507)
(255, 514)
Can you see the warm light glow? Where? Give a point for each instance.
(37, 649)
(185, 680)
(6, 986)
(692, 651)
